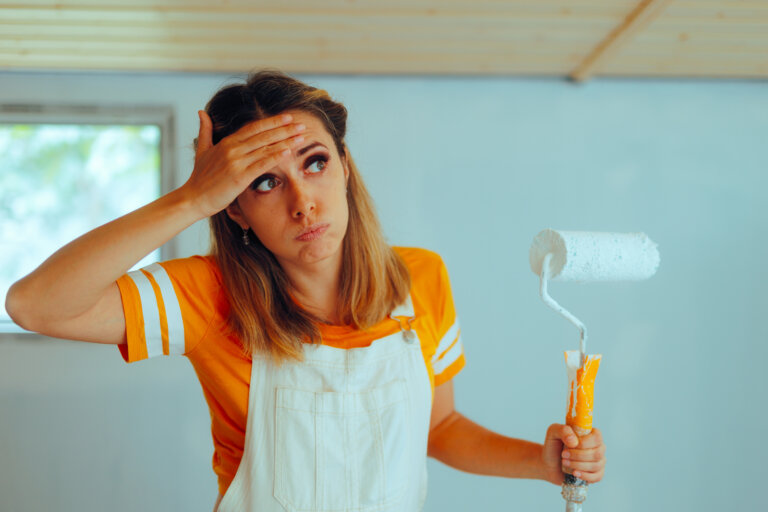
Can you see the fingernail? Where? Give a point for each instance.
(577, 474)
(286, 152)
(287, 118)
(566, 455)
(300, 127)
(299, 139)
(566, 463)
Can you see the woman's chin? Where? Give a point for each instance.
(318, 251)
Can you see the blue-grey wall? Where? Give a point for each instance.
(474, 168)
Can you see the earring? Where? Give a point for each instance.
(246, 241)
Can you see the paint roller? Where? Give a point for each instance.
(585, 257)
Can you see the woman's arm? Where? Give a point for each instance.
(73, 293)
(467, 446)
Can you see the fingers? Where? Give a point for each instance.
(584, 467)
(263, 140)
(588, 460)
(260, 159)
(576, 457)
(251, 137)
(588, 471)
(590, 478)
(262, 125)
(268, 156)
(257, 163)
(592, 454)
(253, 141)
(591, 440)
(566, 434)
(563, 433)
(569, 437)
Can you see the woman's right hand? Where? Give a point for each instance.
(224, 170)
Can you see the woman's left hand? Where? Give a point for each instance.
(565, 452)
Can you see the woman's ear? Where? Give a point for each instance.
(345, 158)
(236, 214)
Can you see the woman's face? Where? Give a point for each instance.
(299, 209)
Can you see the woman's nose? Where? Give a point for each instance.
(303, 203)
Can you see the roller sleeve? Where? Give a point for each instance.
(593, 256)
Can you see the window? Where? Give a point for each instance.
(66, 170)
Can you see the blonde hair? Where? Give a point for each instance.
(263, 314)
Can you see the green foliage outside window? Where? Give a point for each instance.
(58, 181)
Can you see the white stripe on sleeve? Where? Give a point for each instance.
(449, 358)
(447, 340)
(150, 312)
(172, 309)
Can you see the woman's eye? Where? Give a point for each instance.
(317, 165)
(265, 183)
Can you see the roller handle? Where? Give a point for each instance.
(579, 418)
(575, 489)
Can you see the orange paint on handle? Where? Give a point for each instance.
(581, 392)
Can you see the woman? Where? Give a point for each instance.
(325, 356)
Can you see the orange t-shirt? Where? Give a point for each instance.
(179, 307)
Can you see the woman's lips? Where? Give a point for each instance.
(313, 232)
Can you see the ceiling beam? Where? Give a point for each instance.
(645, 12)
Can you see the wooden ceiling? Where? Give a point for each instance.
(577, 39)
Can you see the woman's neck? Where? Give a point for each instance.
(316, 287)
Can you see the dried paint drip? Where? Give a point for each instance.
(581, 388)
(574, 492)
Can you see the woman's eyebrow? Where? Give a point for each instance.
(308, 147)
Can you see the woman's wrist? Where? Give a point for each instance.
(186, 201)
(539, 470)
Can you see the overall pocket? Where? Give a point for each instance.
(337, 451)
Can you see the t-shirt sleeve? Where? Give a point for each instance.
(448, 359)
(168, 307)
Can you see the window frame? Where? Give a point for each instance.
(74, 114)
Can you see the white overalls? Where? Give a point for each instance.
(345, 430)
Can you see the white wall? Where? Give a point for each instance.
(474, 168)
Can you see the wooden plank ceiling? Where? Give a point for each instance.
(580, 39)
